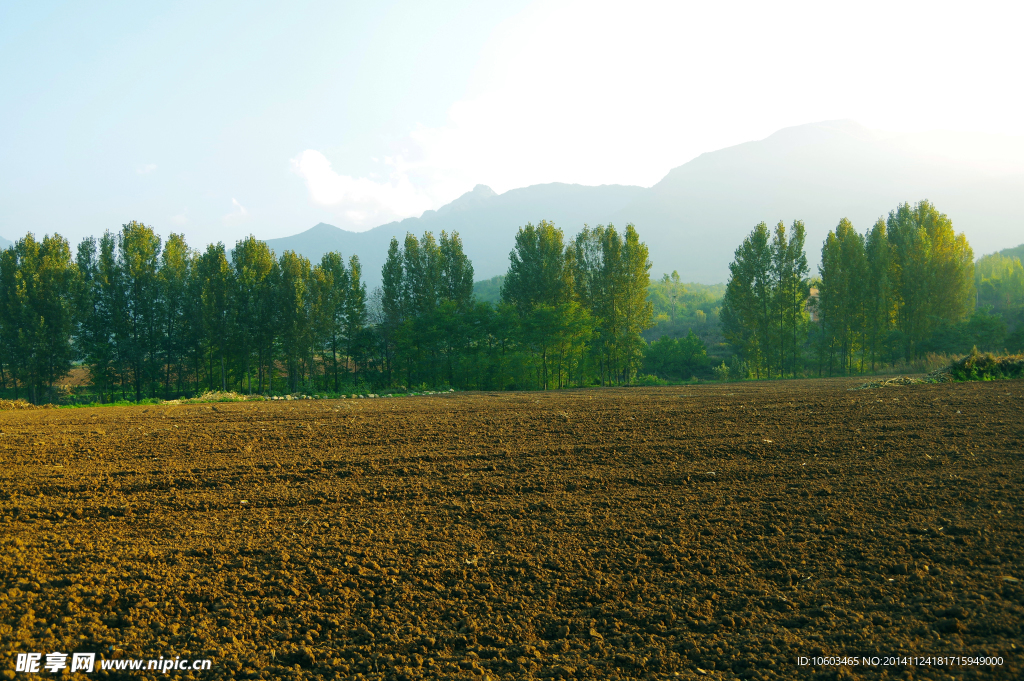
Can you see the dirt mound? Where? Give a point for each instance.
(714, 531)
(891, 382)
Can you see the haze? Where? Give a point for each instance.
(218, 121)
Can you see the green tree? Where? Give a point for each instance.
(391, 307)
(334, 303)
(253, 307)
(294, 315)
(676, 358)
(841, 294)
(878, 297)
(539, 280)
(355, 313)
(456, 272)
(633, 279)
(176, 263)
(933, 273)
(746, 307)
(37, 311)
(215, 284)
(138, 260)
(1000, 282)
(789, 274)
(537, 271)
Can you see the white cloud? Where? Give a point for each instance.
(591, 93)
(180, 219)
(361, 202)
(146, 169)
(239, 213)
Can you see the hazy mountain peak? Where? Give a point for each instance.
(321, 227)
(479, 193)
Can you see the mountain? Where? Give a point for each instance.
(696, 216)
(4, 243)
(487, 223)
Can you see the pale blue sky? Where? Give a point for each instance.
(223, 119)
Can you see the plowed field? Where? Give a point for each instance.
(700, 532)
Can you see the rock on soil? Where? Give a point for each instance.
(657, 533)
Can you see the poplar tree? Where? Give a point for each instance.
(37, 312)
(253, 303)
(790, 282)
(215, 283)
(355, 311)
(456, 272)
(879, 303)
(294, 314)
(537, 272)
(176, 268)
(933, 272)
(633, 280)
(138, 260)
(539, 280)
(746, 307)
(841, 293)
(392, 304)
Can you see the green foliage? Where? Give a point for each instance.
(651, 380)
(611, 278)
(979, 366)
(489, 290)
(1000, 282)
(37, 313)
(721, 372)
(903, 289)
(842, 296)
(1015, 252)
(148, 319)
(677, 358)
(932, 273)
(568, 313)
(429, 330)
(684, 308)
(983, 330)
(763, 312)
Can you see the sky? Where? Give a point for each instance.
(222, 119)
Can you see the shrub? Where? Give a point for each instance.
(984, 366)
(650, 379)
(721, 372)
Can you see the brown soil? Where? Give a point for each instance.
(697, 532)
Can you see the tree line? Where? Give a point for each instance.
(881, 295)
(148, 319)
(569, 313)
(145, 318)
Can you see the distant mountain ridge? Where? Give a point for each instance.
(696, 216)
(486, 221)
